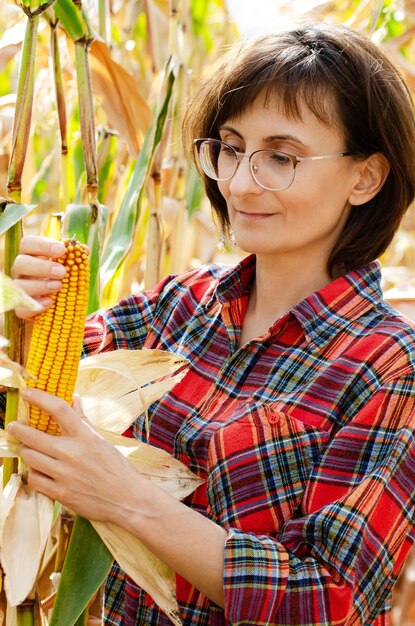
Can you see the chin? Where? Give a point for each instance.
(251, 247)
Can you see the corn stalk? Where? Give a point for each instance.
(14, 328)
(61, 108)
(155, 227)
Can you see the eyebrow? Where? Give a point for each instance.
(268, 139)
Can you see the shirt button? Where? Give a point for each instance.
(274, 418)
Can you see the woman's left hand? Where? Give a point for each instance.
(79, 469)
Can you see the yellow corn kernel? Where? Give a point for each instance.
(56, 343)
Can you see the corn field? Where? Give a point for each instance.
(92, 95)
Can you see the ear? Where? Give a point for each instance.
(372, 174)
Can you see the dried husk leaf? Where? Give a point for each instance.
(12, 296)
(7, 499)
(11, 373)
(142, 566)
(26, 522)
(116, 410)
(9, 378)
(157, 465)
(144, 365)
(115, 386)
(11, 615)
(9, 446)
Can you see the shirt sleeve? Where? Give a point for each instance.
(335, 562)
(125, 325)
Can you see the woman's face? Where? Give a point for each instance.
(304, 221)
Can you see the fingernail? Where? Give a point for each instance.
(58, 249)
(59, 271)
(53, 284)
(26, 393)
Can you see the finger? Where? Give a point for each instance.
(44, 484)
(26, 265)
(32, 438)
(77, 406)
(27, 314)
(42, 246)
(68, 419)
(39, 461)
(35, 288)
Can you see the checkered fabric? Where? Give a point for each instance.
(305, 437)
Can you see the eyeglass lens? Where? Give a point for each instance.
(271, 169)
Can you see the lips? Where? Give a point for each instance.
(253, 216)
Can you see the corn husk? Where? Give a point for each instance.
(157, 465)
(11, 616)
(147, 571)
(11, 373)
(9, 446)
(12, 296)
(116, 387)
(25, 523)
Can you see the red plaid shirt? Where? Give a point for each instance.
(305, 437)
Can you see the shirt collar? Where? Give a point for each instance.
(334, 307)
(236, 281)
(327, 311)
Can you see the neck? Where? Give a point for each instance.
(281, 283)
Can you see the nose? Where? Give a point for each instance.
(242, 182)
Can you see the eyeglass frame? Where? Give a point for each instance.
(240, 155)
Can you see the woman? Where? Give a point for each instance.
(299, 405)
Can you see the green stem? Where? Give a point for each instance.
(10, 465)
(13, 327)
(86, 116)
(24, 104)
(104, 20)
(25, 614)
(14, 331)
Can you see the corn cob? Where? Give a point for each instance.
(56, 343)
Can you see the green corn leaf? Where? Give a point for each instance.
(87, 223)
(71, 18)
(86, 566)
(122, 232)
(11, 213)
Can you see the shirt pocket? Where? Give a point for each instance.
(258, 468)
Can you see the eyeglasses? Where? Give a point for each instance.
(271, 169)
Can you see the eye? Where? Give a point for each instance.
(280, 158)
(228, 149)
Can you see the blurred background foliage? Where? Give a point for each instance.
(132, 41)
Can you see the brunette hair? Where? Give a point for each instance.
(345, 80)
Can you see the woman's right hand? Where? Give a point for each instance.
(35, 270)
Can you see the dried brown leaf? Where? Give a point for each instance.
(117, 90)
